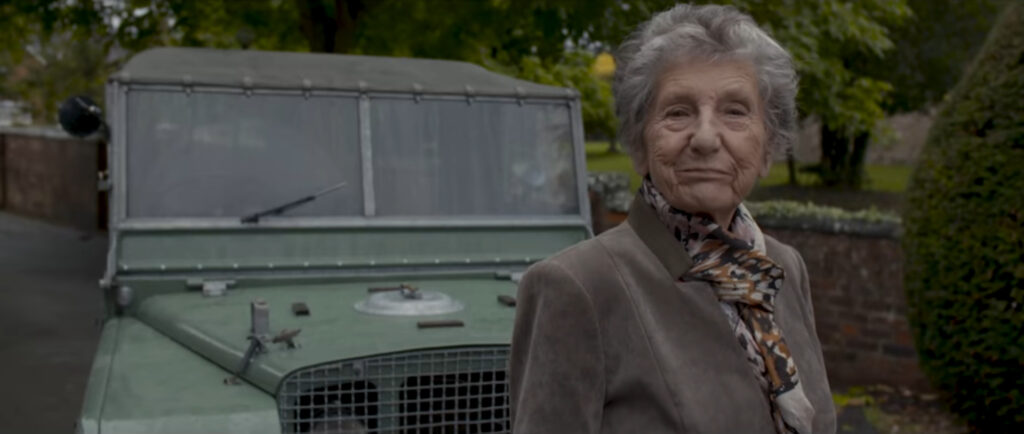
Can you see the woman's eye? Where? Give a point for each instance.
(677, 113)
(736, 111)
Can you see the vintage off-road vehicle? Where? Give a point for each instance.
(323, 243)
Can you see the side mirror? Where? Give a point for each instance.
(80, 116)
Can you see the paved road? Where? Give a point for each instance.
(49, 307)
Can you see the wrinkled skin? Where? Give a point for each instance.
(705, 136)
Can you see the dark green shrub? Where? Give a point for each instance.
(964, 238)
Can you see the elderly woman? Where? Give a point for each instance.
(686, 318)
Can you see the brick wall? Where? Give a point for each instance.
(51, 176)
(859, 306)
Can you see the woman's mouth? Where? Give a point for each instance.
(703, 174)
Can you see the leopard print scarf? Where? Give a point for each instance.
(734, 262)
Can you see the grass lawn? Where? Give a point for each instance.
(880, 177)
(600, 161)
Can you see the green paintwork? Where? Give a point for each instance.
(321, 71)
(323, 248)
(99, 376)
(142, 382)
(166, 349)
(217, 327)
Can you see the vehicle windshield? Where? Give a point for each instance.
(227, 155)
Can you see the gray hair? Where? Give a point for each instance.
(712, 32)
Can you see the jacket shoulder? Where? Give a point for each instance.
(586, 258)
(590, 252)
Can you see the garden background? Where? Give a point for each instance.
(875, 76)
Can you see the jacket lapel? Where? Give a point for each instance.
(689, 332)
(669, 251)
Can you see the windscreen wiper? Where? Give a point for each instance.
(277, 210)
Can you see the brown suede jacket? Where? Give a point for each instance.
(606, 340)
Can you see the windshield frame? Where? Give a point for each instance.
(118, 95)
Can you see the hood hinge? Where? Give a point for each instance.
(210, 288)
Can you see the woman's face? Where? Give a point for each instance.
(705, 136)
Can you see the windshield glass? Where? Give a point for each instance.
(228, 155)
(445, 157)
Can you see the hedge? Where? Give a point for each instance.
(964, 238)
(785, 214)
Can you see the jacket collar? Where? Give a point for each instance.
(656, 236)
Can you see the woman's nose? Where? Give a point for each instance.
(706, 139)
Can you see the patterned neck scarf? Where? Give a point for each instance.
(734, 262)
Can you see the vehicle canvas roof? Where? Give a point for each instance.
(318, 71)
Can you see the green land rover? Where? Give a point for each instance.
(323, 243)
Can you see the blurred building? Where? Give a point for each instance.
(13, 113)
(899, 140)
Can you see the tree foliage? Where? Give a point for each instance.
(821, 36)
(932, 50)
(52, 49)
(542, 39)
(57, 69)
(964, 238)
(55, 55)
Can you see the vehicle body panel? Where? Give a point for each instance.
(217, 328)
(265, 248)
(254, 69)
(143, 382)
(456, 179)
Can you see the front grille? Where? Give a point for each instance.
(462, 390)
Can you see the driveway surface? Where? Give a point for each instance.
(50, 306)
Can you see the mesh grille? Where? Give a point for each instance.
(463, 390)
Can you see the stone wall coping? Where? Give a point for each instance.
(48, 132)
(884, 229)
